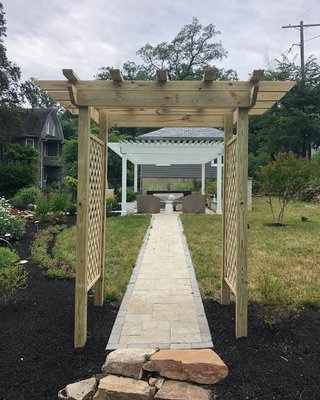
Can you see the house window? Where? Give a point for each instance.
(30, 143)
(48, 129)
(53, 133)
(45, 174)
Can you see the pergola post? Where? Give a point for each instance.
(80, 325)
(135, 177)
(103, 135)
(228, 131)
(124, 186)
(242, 225)
(203, 178)
(219, 184)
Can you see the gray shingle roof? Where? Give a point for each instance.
(184, 134)
(32, 121)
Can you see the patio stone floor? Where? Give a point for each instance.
(162, 306)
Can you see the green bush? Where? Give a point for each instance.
(7, 257)
(12, 279)
(131, 196)
(15, 175)
(59, 202)
(182, 185)
(57, 273)
(26, 196)
(10, 223)
(42, 208)
(211, 187)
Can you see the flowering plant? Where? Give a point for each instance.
(10, 223)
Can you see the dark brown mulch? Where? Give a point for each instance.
(37, 357)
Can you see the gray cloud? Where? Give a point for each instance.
(44, 37)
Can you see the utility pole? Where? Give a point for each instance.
(301, 26)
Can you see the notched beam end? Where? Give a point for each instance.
(70, 75)
(161, 75)
(116, 75)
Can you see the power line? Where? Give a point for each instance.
(314, 37)
(309, 9)
(301, 27)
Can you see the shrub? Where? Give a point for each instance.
(60, 272)
(16, 175)
(131, 196)
(10, 223)
(285, 178)
(155, 187)
(211, 187)
(59, 202)
(26, 196)
(7, 257)
(42, 209)
(182, 185)
(12, 279)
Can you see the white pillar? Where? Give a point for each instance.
(203, 178)
(135, 177)
(219, 184)
(124, 186)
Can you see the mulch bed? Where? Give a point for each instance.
(37, 357)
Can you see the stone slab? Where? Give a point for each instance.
(175, 390)
(127, 362)
(119, 388)
(202, 366)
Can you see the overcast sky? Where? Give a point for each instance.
(45, 36)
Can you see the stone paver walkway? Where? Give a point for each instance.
(162, 306)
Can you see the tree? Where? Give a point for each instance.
(284, 179)
(186, 57)
(294, 123)
(37, 97)
(10, 73)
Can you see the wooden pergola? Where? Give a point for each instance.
(161, 103)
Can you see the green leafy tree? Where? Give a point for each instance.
(10, 73)
(284, 179)
(186, 57)
(294, 123)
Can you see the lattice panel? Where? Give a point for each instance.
(230, 215)
(95, 209)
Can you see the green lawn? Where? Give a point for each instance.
(124, 236)
(287, 256)
(282, 260)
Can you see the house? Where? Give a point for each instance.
(167, 175)
(42, 130)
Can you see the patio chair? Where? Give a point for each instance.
(148, 204)
(195, 204)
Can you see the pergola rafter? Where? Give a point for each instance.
(162, 103)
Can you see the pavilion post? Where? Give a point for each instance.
(135, 177)
(103, 135)
(124, 185)
(242, 225)
(219, 184)
(228, 132)
(80, 327)
(203, 178)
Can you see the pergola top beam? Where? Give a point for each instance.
(166, 103)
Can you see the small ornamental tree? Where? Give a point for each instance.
(284, 179)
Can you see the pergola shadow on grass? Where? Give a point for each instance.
(161, 103)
